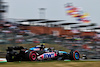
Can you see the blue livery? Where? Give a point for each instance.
(34, 48)
(62, 52)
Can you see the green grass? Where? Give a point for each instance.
(50, 64)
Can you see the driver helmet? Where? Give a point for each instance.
(41, 46)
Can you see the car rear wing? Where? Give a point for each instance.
(15, 48)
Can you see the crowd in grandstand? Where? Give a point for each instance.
(10, 33)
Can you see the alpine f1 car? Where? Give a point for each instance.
(19, 53)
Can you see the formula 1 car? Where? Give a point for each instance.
(19, 53)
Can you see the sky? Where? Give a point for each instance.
(54, 9)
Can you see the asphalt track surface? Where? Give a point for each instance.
(80, 59)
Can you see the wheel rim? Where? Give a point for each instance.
(33, 56)
(76, 55)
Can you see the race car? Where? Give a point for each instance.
(19, 53)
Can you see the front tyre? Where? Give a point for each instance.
(74, 55)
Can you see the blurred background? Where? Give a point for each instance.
(30, 32)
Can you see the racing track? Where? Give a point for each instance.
(80, 60)
(81, 63)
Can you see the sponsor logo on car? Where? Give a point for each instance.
(49, 55)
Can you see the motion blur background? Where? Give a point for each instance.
(34, 22)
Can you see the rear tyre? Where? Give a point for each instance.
(9, 58)
(31, 55)
(74, 55)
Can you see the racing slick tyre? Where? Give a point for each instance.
(9, 58)
(31, 55)
(74, 55)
